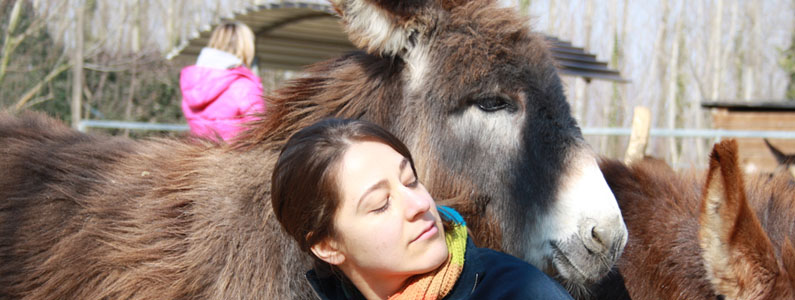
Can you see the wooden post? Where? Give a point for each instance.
(639, 139)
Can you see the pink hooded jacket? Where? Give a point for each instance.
(218, 101)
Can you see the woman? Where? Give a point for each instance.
(348, 193)
(220, 92)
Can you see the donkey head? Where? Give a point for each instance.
(482, 108)
(740, 259)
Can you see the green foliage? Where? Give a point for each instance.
(616, 110)
(108, 80)
(788, 63)
(524, 6)
(31, 61)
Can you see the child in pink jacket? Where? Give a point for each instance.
(220, 93)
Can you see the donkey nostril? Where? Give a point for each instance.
(599, 235)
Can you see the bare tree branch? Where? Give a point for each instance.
(34, 90)
(8, 42)
(38, 100)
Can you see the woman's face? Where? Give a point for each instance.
(387, 223)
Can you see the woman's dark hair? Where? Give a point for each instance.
(304, 190)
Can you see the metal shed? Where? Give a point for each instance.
(293, 34)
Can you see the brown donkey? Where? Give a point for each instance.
(473, 93)
(729, 238)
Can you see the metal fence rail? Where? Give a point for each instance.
(85, 124)
(661, 132)
(694, 133)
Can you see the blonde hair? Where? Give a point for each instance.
(235, 38)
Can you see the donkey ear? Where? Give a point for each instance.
(738, 255)
(780, 156)
(385, 27)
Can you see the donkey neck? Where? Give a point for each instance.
(357, 85)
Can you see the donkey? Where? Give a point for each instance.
(785, 161)
(728, 238)
(466, 85)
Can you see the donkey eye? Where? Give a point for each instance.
(492, 104)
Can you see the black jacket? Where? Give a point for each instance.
(487, 274)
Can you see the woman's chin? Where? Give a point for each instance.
(435, 257)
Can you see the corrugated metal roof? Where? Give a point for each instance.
(293, 34)
(575, 61)
(756, 105)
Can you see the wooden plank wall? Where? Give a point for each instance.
(754, 155)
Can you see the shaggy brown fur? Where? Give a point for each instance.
(741, 260)
(664, 259)
(95, 217)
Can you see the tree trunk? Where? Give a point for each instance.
(754, 61)
(99, 90)
(77, 68)
(130, 98)
(791, 58)
(657, 61)
(136, 47)
(553, 28)
(715, 51)
(672, 90)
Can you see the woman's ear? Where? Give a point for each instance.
(328, 250)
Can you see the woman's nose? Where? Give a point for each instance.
(417, 202)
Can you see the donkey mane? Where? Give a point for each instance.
(335, 88)
(91, 181)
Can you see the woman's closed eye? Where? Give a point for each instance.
(412, 182)
(384, 207)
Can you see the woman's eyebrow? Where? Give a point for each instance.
(403, 164)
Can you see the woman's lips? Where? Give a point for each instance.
(427, 233)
